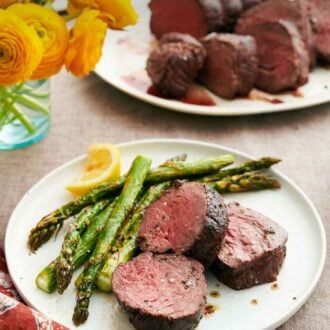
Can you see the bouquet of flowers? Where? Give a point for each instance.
(35, 43)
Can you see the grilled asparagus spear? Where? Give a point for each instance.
(47, 226)
(245, 182)
(249, 166)
(46, 279)
(133, 185)
(65, 263)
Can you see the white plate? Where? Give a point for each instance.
(123, 66)
(289, 206)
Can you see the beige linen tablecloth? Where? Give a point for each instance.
(88, 111)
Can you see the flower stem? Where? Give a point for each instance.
(3, 118)
(21, 117)
(31, 104)
(39, 95)
(16, 94)
(17, 88)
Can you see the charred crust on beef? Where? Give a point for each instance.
(231, 64)
(161, 291)
(190, 219)
(283, 59)
(252, 251)
(174, 65)
(216, 216)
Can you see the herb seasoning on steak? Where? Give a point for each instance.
(161, 292)
(189, 219)
(231, 64)
(252, 251)
(174, 65)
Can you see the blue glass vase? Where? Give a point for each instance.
(24, 113)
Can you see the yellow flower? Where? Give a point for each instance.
(52, 31)
(20, 49)
(119, 13)
(85, 46)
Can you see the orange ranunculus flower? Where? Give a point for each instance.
(120, 13)
(20, 49)
(52, 31)
(85, 46)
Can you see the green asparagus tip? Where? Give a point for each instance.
(39, 237)
(80, 316)
(179, 158)
(245, 182)
(63, 276)
(275, 184)
(264, 161)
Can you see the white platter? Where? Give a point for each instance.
(289, 206)
(123, 66)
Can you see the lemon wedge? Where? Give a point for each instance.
(102, 165)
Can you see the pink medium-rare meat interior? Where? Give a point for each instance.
(161, 285)
(184, 16)
(173, 222)
(249, 236)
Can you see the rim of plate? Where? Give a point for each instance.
(277, 322)
(178, 106)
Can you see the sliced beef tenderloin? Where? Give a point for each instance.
(252, 251)
(163, 292)
(295, 11)
(320, 21)
(194, 17)
(231, 64)
(183, 16)
(188, 219)
(283, 59)
(173, 66)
